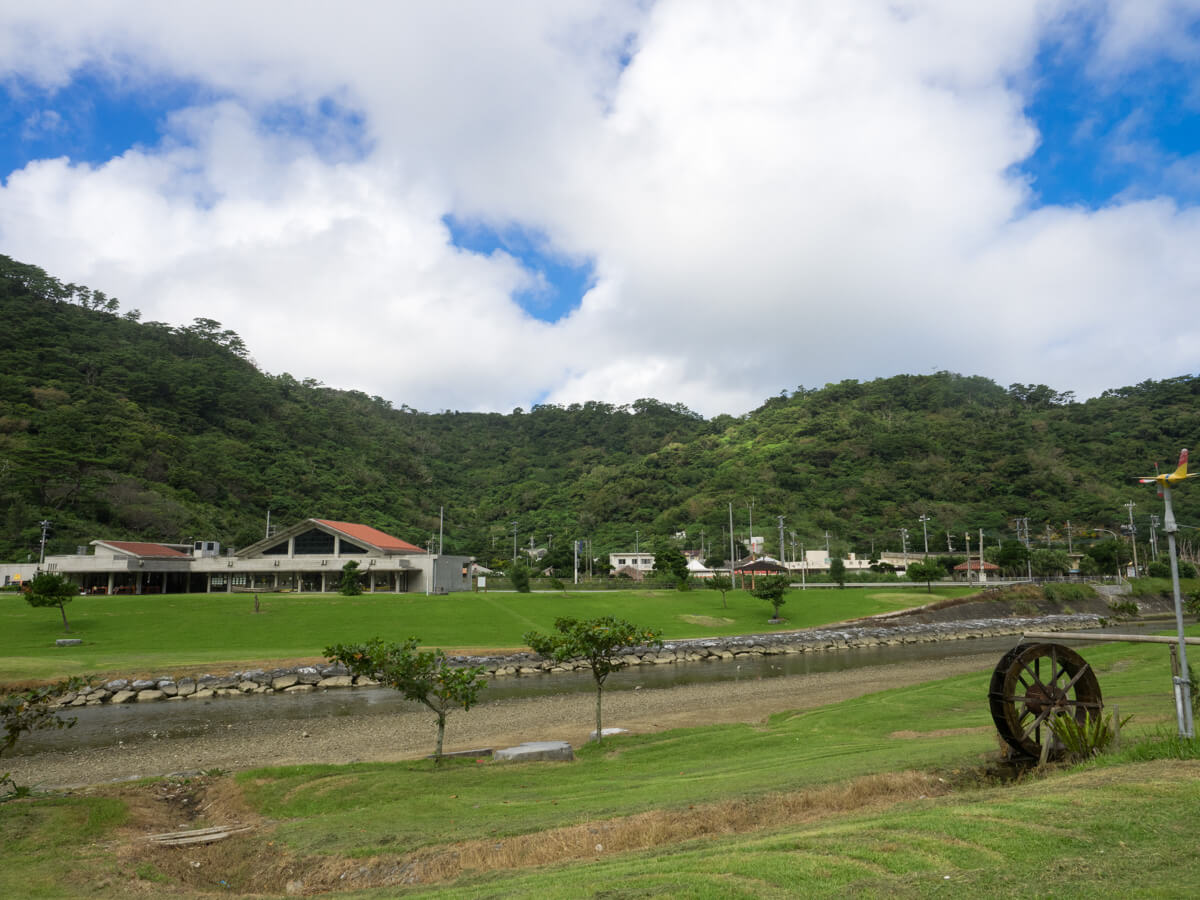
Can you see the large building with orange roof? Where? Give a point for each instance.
(309, 556)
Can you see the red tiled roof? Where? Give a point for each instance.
(372, 536)
(987, 566)
(141, 548)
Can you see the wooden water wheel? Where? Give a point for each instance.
(1034, 682)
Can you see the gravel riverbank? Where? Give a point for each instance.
(409, 734)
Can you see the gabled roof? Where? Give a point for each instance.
(762, 564)
(142, 549)
(974, 566)
(367, 535)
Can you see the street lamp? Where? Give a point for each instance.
(924, 520)
(1117, 539)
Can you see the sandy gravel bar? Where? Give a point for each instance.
(503, 723)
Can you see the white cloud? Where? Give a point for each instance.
(772, 194)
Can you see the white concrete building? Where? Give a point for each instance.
(308, 556)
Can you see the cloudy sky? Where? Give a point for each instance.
(485, 205)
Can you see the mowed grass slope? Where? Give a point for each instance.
(132, 634)
(371, 808)
(878, 796)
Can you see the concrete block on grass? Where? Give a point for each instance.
(536, 751)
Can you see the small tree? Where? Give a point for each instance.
(1047, 563)
(927, 572)
(30, 711)
(837, 571)
(772, 588)
(424, 676)
(669, 563)
(351, 585)
(518, 574)
(598, 642)
(722, 583)
(52, 590)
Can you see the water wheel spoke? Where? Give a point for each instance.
(1041, 717)
(1078, 675)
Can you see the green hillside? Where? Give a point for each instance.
(114, 427)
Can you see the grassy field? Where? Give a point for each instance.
(149, 634)
(889, 794)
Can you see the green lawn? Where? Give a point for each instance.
(128, 634)
(1120, 826)
(940, 724)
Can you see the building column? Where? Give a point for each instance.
(138, 584)
(323, 573)
(110, 583)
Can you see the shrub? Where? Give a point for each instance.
(1061, 592)
(519, 576)
(1091, 737)
(1125, 608)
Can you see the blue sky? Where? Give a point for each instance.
(1102, 138)
(851, 181)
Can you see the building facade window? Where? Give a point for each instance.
(314, 543)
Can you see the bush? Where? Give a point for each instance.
(1091, 737)
(1158, 569)
(1125, 608)
(1062, 592)
(519, 576)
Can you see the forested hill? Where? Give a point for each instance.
(116, 428)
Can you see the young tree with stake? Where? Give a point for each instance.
(772, 588)
(424, 676)
(598, 642)
(48, 589)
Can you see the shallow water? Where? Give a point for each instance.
(104, 726)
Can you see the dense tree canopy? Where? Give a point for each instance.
(112, 427)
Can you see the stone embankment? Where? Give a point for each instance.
(870, 633)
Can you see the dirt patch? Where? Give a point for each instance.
(185, 804)
(706, 621)
(939, 732)
(255, 862)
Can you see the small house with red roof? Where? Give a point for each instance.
(308, 556)
(974, 568)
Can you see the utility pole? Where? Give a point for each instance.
(751, 507)
(924, 520)
(782, 551)
(732, 558)
(827, 554)
(981, 556)
(949, 542)
(803, 569)
(441, 528)
(1154, 535)
(967, 534)
(1133, 535)
(793, 536)
(513, 523)
(1070, 548)
(904, 545)
(1183, 699)
(637, 541)
(45, 523)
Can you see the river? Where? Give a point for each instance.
(112, 726)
